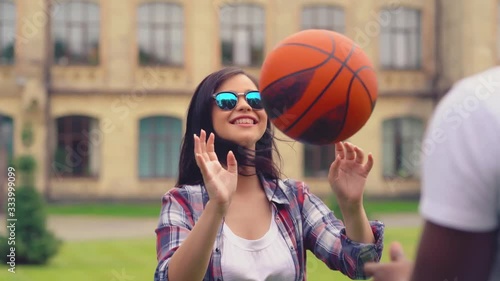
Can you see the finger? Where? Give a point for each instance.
(396, 252)
(370, 268)
(350, 154)
(211, 148)
(232, 165)
(197, 148)
(200, 161)
(203, 145)
(334, 168)
(339, 150)
(369, 163)
(360, 155)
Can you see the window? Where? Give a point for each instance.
(7, 31)
(323, 17)
(242, 29)
(76, 154)
(6, 139)
(160, 34)
(159, 146)
(400, 39)
(76, 33)
(317, 159)
(402, 139)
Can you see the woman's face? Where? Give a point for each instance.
(243, 124)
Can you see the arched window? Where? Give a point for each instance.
(77, 154)
(323, 17)
(242, 29)
(160, 29)
(75, 31)
(317, 159)
(402, 138)
(6, 138)
(159, 146)
(7, 31)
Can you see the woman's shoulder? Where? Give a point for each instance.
(291, 184)
(292, 188)
(186, 192)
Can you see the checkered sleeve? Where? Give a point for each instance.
(173, 228)
(325, 236)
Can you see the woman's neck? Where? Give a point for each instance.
(248, 181)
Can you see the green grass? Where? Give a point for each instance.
(111, 209)
(134, 260)
(153, 209)
(391, 207)
(408, 237)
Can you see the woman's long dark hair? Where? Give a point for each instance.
(200, 117)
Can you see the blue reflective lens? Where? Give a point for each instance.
(253, 99)
(226, 101)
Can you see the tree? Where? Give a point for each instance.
(32, 241)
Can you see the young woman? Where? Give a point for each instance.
(230, 216)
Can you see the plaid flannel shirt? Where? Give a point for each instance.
(305, 222)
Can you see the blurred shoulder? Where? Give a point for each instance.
(294, 185)
(481, 89)
(186, 193)
(472, 100)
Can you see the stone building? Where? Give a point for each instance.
(105, 84)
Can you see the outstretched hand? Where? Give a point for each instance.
(399, 269)
(219, 181)
(348, 173)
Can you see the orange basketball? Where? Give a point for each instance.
(318, 87)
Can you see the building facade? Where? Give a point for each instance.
(104, 85)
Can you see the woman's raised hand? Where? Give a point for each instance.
(219, 181)
(348, 173)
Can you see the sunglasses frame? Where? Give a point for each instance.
(237, 95)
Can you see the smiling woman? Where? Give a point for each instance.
(231, 216)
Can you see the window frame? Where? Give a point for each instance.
(169, 143)
(235, 25)
(399, 140)
(166, 27)
(69, 25)
(394, 30)
(9, 142)
(4, 25)
(315, 163)
(332, 8)
(70, 136)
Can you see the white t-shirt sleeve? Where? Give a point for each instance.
(461, 162)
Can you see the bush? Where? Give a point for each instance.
(34, 244)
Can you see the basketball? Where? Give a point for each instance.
(318, 87)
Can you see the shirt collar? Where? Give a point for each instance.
(274, 193)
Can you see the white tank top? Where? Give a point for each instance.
(267, 258)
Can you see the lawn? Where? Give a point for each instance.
(153, 209)
(134, 260)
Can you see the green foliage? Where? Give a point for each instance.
(34, 244)
(25, 164)
(27, 135)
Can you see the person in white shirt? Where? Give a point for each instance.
(460, 199)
